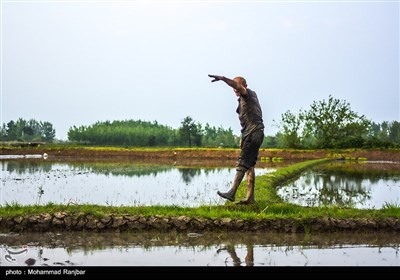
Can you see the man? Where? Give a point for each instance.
(252, 136)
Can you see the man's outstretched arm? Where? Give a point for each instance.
(232, 83)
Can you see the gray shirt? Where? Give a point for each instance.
(249, 112)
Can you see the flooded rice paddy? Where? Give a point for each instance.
(30, 181)
(365, 185)
(368, 185)
(199, 249)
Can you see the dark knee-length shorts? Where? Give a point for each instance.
(249, 150)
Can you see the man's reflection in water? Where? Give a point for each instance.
(249, 259)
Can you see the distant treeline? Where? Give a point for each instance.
(326, 125)
(140, 133)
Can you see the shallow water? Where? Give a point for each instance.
(32, 181)
(199, 249)
(369, 185)
(114, 183)
(37, 181)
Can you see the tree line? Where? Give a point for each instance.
(27, 130)
(140, 133)
(326, 124)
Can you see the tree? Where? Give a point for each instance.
(335, 125)
(47, 131)
(290, 124)
(270, 142)
(12, 131)
(394, 132)
(190, 132)
(31, 130)
(218, 137)
(328, 124)
(3, 132)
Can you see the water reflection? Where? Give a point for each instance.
(367, 185)
(200, 249)
(236, 261)
(123, 182)
(118, 183)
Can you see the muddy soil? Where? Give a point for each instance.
(204, 154)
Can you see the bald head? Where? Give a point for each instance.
(241, 81)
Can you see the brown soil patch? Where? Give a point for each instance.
(204, 154)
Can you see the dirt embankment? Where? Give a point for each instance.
(61, 221)
(206, 154)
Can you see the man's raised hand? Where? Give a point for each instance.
(216, 77)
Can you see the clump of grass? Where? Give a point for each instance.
(40, 193)
(391, 209)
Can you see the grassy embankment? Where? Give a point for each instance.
(268, 204)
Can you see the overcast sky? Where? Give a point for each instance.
(74, 63)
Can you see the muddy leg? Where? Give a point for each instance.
(230, 195)
(251, 178)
